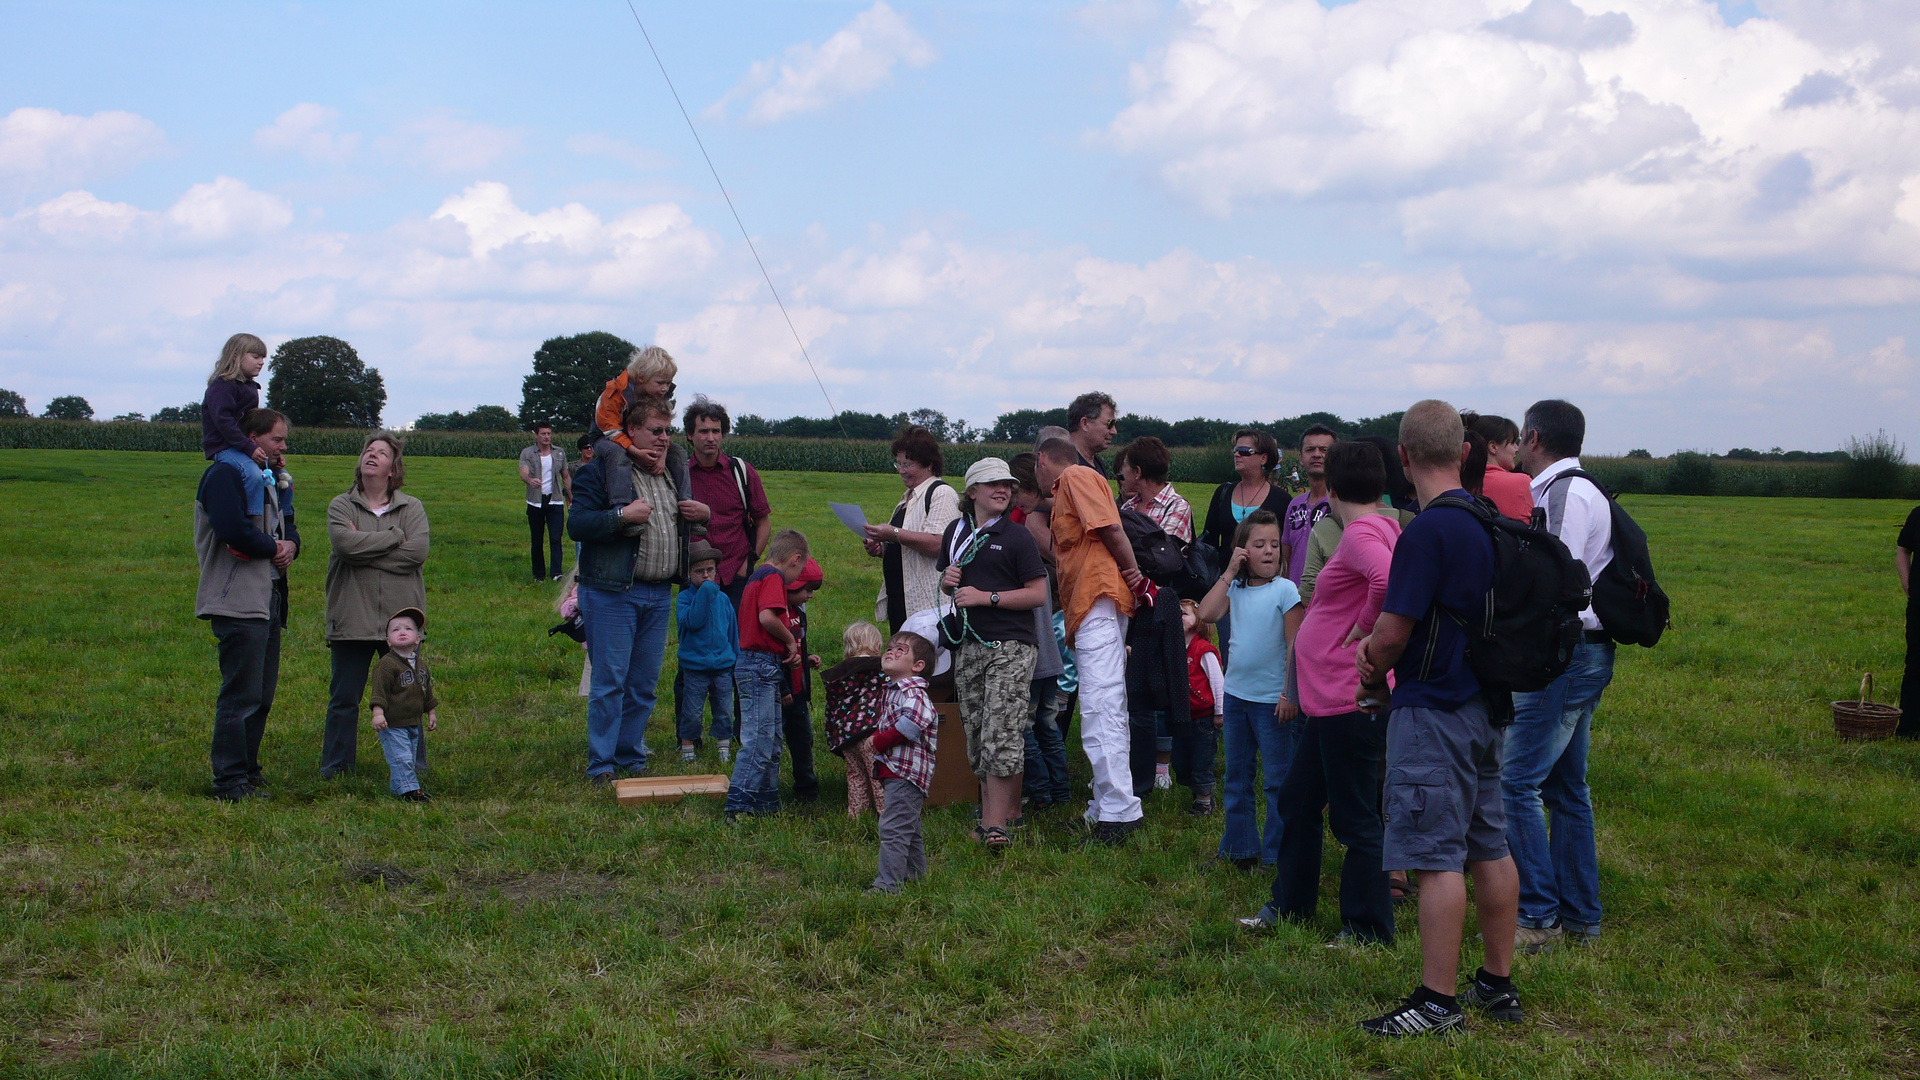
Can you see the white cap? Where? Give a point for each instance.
(988, 470)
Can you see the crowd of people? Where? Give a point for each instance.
(1324, 636)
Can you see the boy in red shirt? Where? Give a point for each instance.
(766, 643)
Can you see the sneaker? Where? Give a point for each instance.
(1414, 1017)
(1501, 1005)
(687, 754)
(1261, 923)
(600, 779)
(1161, 781)
(1202, 806)
(1536, 939)
(724, 753)
(416, 795)
(237, 794)
(1092, 816)
(1115, 833)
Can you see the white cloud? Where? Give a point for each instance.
(1624, 128)
(860, 57)
(44, 149)
(307, 130)
(449, 145)
(227, 209)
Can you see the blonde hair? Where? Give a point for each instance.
(397, 478)
(1202, 629)
(1431, 433)
(651, 361)
(237, 347)
(566, 587)
(786, 544)
(862, 639)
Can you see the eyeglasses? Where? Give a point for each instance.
(901, 466)
(1246, 451)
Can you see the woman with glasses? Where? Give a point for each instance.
(908, 545)
(1255, 456)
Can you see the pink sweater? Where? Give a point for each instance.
(1349, 591)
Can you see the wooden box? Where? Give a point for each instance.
(953, 779)
(635, 790)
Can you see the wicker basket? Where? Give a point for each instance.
(1864, 718)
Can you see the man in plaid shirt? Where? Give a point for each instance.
(904, 748)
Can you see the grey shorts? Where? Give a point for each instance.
(1444, 806)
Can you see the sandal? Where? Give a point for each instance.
(1402, 890)
(996, 838)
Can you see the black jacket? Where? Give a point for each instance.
(1219, 526)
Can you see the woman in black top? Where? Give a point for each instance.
(1255, 455)
(992, 568)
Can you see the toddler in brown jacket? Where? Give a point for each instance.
(402, 695)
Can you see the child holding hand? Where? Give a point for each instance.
(855, 689)
(402, 694)
(906, 744)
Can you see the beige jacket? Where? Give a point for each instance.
(374, 567)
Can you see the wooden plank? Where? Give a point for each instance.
(635, 790)
(953, 779)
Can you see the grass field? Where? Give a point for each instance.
(1763, 916)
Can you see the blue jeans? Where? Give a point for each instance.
(402, 747)
(1255, 741)
(697, 688)
(1046, 778)
(1546, 766)
(755, 786)
(250, 475)
(626, 639)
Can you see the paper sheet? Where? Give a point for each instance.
(851, 516)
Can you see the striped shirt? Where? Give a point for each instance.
(659, 535)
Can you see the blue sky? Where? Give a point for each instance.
(1700, 222)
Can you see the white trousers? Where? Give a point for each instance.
(1100, 650)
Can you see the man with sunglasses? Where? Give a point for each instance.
(1091, 426)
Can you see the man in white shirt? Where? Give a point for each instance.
(543, 469)
(1546, 752)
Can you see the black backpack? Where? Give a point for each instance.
(1630, 604)
(1524, 637)
(1158, 555)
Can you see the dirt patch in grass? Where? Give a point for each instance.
(532, 888)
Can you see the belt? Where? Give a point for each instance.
(1595, 637)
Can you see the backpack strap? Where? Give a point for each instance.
(740, 481)
(927, 508)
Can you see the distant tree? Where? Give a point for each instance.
(68, 407)
(482, 418)
(130, 418)
(1876, 467)
(1198, 432)
(1133, 426)
(1023, 425)
(568, 375)
(849, 425)
(13, 406)
(181, 414)
(1387, 424)
(752, 424)
(320, 382)
(1645, 454)
(933, 420)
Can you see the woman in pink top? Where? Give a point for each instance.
(1511, 491)
(1338, 763)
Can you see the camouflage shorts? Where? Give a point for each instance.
(994, 687)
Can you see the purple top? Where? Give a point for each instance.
(226, 402)
(1302, 516)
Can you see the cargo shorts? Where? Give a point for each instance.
(994, 687)
(1444, 805)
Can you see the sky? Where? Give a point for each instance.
(1700, 222)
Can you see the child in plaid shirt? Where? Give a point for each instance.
(905, 743)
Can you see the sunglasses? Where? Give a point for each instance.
(1247, 451)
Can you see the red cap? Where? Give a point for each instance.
(811, 575)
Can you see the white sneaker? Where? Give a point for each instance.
(724, 753)
(1162, 781)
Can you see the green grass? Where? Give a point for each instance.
(1759, 876)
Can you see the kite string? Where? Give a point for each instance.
(835, 412)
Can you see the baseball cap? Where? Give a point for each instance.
(988, 470)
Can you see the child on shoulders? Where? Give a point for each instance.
(855, 689)
(233, 390)
(906, 744)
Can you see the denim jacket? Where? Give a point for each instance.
(607, 555)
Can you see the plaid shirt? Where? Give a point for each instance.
(905, 708)
(1168, 510)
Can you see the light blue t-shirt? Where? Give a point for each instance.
(1257, 666)
(1241, 513)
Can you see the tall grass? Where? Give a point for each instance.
(1877, 470)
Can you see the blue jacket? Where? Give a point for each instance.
(709, 630)
(607, 554)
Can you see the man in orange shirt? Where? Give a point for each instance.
(1098, 578)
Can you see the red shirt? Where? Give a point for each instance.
(728, 528)
(766, 591)
(1511, 492)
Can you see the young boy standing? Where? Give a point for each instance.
(709, 647)
(402, 694)
(765, 643)
(904, 748)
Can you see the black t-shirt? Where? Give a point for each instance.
(1910, 532)
(1006, 560)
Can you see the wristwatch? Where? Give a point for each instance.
(994, 599)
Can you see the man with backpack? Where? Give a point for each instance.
(1444, 814)
(741, 521)
(1546, 765)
